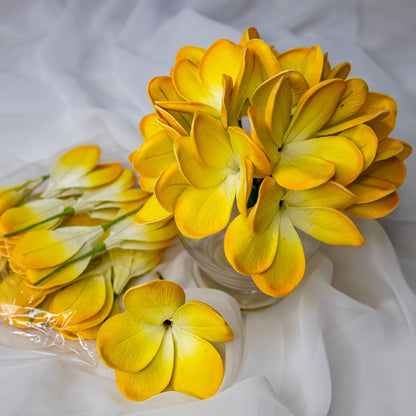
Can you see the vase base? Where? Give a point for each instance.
(247, 298)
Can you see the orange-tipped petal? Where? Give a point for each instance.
(376, 209)
(244, 184)
(193, 53)
(198, 369)
(368, 188)
(151, 212)
(269, 64)
(154, 378)
(154, 302)
(327, 225)
(125, 344)
(406, 152)
(387, 148)
(100, 175)
(392, 170)
(288, 267)
(149, 125)
(248, 34)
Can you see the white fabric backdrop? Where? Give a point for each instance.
(344, 342)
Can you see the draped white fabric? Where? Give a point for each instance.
(344, 342)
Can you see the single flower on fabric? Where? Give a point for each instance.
(265, 243)
(162, 340)
(220, 165)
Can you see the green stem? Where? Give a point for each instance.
(100, 248)
(65, 212)
(118, 219)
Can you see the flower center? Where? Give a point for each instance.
(167, 323)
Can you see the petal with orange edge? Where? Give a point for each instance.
(340, 71)
(288, 267)
(203, 212)
(387, 148)
(247, 252)
(368, 188)
(376, 209)
(154, 155)
(198, 369)
(249, 33)
(125, 344)
(327, 225)
(154, 378)
(101, 175)
(269, 64)
(329, 194)
(314, 110)
(392, 170)
(406, 152)
(352, 100)
(365, 139)
(202, 320)
(154, 302)
(193, 53)
(149, 125)
(244, 184)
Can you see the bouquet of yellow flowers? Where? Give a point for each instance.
(290, 141)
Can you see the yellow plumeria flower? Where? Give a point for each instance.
(220, 165)
(11, 196)
(265, 244)
(162, 340)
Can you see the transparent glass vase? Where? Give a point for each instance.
(212, 269)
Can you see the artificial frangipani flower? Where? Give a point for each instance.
(162, 340)
(314, 143)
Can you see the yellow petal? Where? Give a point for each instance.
(340, 71)
(175, 123)
(151, 212)
(346, 157)
(242, 145)
(193, 53)
(125, 344)
(188, 83)
(78, 301)
(154, 302)
(198, 175)
(147, 184)
(327, 225)
(247, 252)
(244, 184)
(269, 64)
(154, 378)
(47, 248)
(376, 209)
(368, 188)
(169, 186)
(203, 212)
(154, 155)
(278, 110)
(149, 125)
(198, 369)
(32, 212)
(222, 57)
(387, 148)
(288, 267)
(296, 81)
(95, 320)
(314, 110)
(406, 152)
(250, 33)
(352, 100)
(330, 194)
(202, 320)
(392, 170)
(102, 174)
(267, 205)
(365, 139)
(211, 142)
(73, 165)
